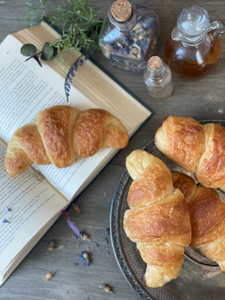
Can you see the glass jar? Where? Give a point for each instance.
(193, 50)
(128, 36)
(158, 79)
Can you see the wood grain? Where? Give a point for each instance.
(200, 100)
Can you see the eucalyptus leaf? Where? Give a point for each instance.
(28, 50)
(47, 51)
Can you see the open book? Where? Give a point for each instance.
(28, 205)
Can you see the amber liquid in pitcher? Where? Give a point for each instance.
(192, 63)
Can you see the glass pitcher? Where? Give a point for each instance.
(193, 49)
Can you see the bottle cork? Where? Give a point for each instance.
(154, 62)
(121, 10)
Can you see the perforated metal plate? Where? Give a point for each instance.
(199, 278)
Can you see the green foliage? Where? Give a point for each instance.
(48, 52)
(77, 21)
(28, 50)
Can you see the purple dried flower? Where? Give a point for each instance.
(9, 209)
(84, 236)
(108, 230)
(5, 221)
(85, 259)
(81, 62)
(106, 240)
(68, 85)
(87, 57)
(70, 79)
(72, 73)
(76, 264)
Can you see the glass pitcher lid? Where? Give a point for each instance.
(193, 21)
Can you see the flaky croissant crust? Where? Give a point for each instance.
(207, 213)
(158, 220)
(197, 148)
(62, 134)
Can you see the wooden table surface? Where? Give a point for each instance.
(201, 100)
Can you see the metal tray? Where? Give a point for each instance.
(199, 278)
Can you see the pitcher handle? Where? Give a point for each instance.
(218, 27)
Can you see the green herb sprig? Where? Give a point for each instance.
(77, 22)
(47, 52)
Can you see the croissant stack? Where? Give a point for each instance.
(158, 219)
(62, 134)
(207, 213)
(197, 148)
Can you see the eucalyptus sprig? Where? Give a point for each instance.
(47, 52)
(77, 22)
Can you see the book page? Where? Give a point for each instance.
(26, 205)
(26, 89)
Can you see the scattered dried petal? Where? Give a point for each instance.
(106, 288)
(52, 245)
(76, 264)
(62, 247)
(77, 208)
(84, 236)
(108, 230)
(85, 258)
(96, 245)
(49, 275)
(107, 241)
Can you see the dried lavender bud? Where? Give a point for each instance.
(107, 241)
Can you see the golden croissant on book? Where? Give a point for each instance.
(198, 148)
(158, 219)
(62, 134)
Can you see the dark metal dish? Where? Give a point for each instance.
(199, 278)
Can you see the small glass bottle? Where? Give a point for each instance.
(128, 35)
(158, 79)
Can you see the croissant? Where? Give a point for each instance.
(207, 213)
(158, 219)
(62, 134)
(197, 148)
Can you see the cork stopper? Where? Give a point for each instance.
(121, 10)
(154, 62)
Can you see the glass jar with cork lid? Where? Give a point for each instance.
(158, 79)
(128, 36)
